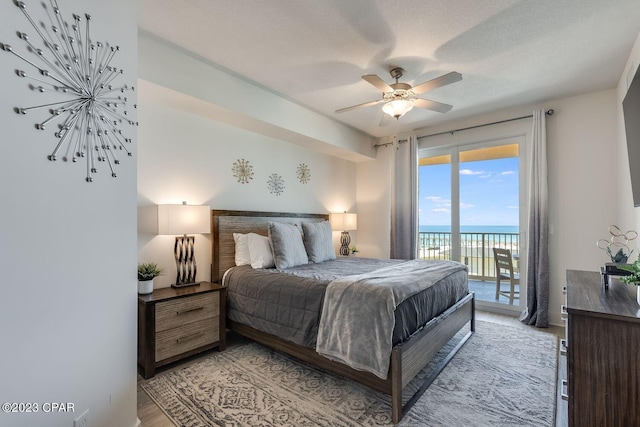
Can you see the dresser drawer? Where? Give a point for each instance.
(177, 312)
(187, 337)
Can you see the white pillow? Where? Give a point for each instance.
(243, 256)
(260, 251)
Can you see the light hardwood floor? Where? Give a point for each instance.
(152, 416)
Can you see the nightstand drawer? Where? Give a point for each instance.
(187, 337)
(174, 313)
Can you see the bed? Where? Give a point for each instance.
(415, 341)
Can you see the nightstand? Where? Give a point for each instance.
(174, 323)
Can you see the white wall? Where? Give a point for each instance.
(582, 185)
(68, 304)
(185, 156)
(374, 204)
(583, 178)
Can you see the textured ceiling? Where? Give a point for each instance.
(509, 53)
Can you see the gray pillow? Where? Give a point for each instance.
(287, 246)
(317, 241)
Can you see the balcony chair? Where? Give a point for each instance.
(504, 271)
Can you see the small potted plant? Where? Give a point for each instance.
(146, 273)
(634, 277)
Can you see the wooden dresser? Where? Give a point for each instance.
(603, 352)
(177, 323)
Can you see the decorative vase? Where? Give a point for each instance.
(638, 294)
(145, 287)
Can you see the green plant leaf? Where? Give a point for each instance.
(147, 271)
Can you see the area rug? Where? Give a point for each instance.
(502, 376)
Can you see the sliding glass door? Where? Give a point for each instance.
(469, 204)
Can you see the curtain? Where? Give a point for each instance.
(537, 309)
(404, 199)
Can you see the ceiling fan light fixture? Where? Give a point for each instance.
(397, 108)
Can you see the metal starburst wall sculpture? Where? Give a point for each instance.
(275, 183)
(74, 68)
(304, 173)
(242, 171)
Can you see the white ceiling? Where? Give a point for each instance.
(509, 52)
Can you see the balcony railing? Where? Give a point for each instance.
(476, 250)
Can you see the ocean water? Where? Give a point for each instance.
(471, 228)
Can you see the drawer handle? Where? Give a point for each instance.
(563, 395)
(563, 347)
(191, 310)
(189, 337)
(563, 311)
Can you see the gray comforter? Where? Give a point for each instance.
(359, 310)
(289, 303)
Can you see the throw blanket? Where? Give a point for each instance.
(356, 326)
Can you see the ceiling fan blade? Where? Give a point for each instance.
(432, 105)
(366, 104)
(377, 82)
(447, 79)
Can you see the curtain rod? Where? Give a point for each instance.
(548, 113)
(400, 141)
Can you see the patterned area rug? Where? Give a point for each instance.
(502, 376)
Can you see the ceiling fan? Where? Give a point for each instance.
(400, 98)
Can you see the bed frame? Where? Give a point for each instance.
(407, 358)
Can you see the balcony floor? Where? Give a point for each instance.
(486, 291)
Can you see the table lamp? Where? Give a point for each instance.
(344, 222)
(181, 220)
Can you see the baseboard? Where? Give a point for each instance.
(495, 308)
(138, 423)
(498, 308)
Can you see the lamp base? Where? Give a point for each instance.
(185, 261)
(184, 285)
(345, 239)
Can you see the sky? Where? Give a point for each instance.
(488, 193)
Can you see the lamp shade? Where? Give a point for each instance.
(183, 219)
(343, 221)
(397, 108)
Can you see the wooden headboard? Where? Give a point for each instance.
(225, 223)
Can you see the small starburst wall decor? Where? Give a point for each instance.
(242, 171)
(304, 173)
(275, 184)
(63, 62)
